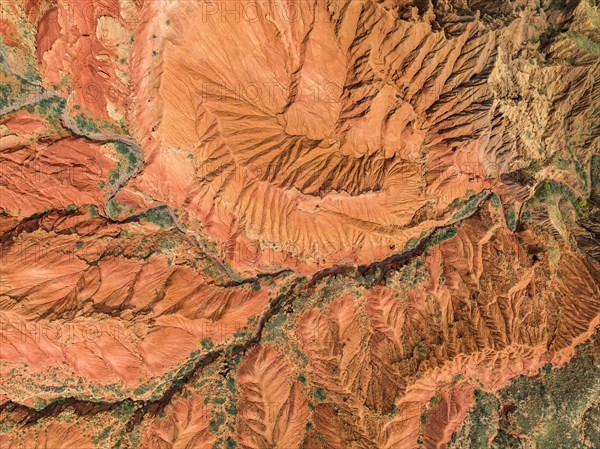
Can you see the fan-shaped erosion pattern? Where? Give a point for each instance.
(299, 224)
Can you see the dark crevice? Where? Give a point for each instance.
(301, 287)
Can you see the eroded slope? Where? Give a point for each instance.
(329, 224)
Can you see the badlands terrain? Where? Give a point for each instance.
(345, 224)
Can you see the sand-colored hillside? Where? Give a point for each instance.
(345, 224)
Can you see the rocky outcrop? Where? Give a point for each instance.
(316, 224)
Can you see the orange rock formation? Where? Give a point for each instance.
(290, 224)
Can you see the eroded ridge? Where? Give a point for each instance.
(316, 224)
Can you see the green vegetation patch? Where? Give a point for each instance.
(159, 216)
(558, 408)
(511, 218)
(86, 124)
(585, 43)
(467, 206)
(128, 163)
(440, 235)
